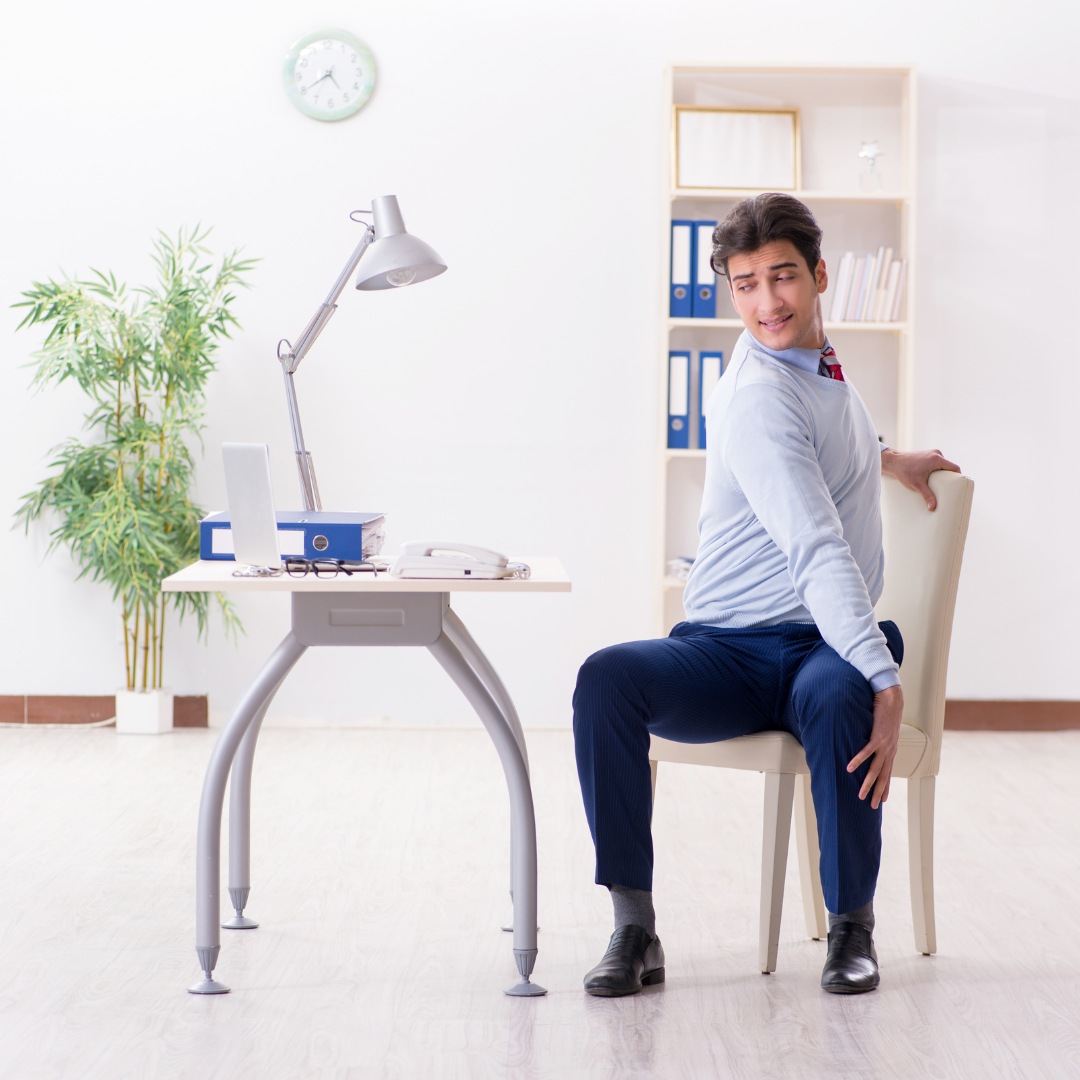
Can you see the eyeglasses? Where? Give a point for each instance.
(328, 568)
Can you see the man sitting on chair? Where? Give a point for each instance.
(780, 631)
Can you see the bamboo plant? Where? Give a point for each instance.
(121, 497)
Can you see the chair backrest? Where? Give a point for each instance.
(923, 553)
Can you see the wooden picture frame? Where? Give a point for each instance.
(726, 149)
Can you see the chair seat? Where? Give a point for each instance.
(777, 751)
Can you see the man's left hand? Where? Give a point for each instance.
(881, 749)
(913, 469)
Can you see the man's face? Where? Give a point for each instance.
(777, 297)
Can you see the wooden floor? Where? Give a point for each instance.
(380, 880)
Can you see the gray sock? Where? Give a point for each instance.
(633, 907)
(863, 916)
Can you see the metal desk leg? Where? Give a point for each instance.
(240, 821)
(461, 665)
(457, 632)
(208, 843)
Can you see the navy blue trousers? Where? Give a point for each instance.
(705, 684)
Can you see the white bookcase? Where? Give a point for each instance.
(839, 110)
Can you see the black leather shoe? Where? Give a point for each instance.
(851, 966)
(634, 959)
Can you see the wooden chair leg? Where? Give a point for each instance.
(776, 833)
(921, 861)
(806, 843)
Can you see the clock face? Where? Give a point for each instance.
(329, 75)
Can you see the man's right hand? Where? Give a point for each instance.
(913, 469)
(881, 749)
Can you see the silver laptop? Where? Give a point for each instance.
(251, 506)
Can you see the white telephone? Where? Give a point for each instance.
(439, 559)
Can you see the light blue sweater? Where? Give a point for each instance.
(790, 526)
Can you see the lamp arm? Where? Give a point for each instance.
(290, 356)
(305, 467)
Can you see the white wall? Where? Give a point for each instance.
(511, 401)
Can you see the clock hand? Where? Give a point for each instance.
(324, 75)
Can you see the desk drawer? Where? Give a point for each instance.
(368, 618)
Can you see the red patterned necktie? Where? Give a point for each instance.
(828, 358)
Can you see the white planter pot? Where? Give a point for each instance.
(144, 712)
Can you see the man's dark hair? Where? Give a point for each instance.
(762, 220)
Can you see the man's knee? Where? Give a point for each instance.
(612, 684)
(598, 671)
(599, 679)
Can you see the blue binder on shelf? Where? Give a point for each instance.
(703, 305)
(678, 430)
(712, 364)
(682, 269)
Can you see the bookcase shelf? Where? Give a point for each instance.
(894, 198)
(840, 108)
(735, 324)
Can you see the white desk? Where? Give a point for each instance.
(361, 610)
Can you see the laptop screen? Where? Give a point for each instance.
(251, 504)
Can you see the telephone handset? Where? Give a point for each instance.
(442, 559)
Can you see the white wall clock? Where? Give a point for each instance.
(329, 75)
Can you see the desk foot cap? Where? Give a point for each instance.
(239, 922)
(525, 959)
(525, 989)
(208, 956)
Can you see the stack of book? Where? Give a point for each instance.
(868, 288)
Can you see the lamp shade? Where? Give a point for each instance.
(395, 258)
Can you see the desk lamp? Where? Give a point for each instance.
(395, 259)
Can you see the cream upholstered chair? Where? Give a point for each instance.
(923, 552)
